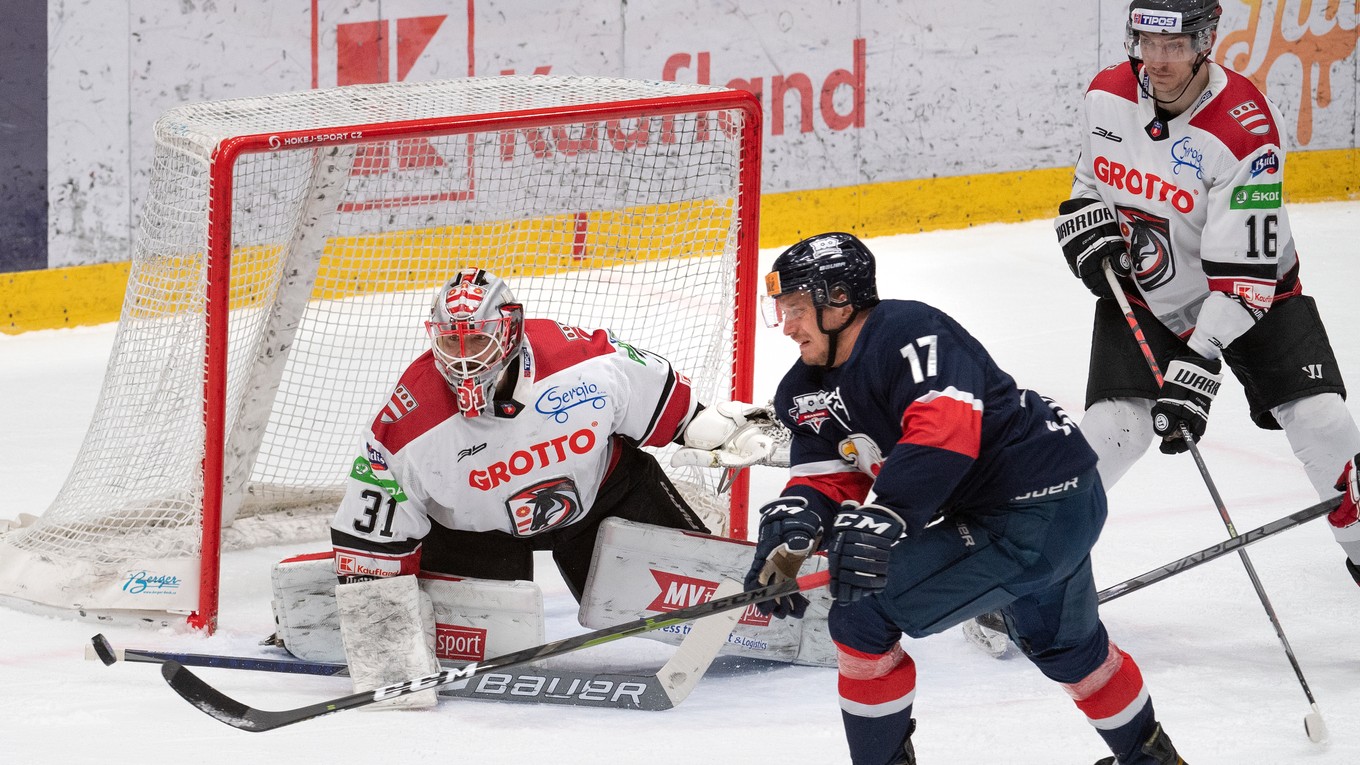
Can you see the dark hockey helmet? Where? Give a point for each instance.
(1197, 18)
(835, 269)
(476, 329)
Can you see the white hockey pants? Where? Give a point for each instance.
(1320, 430)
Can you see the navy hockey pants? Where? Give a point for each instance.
(1029, 559)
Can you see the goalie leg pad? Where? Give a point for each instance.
(477, 619)
(640, 570)
(305, 617)
(474, 618)
(388, 629)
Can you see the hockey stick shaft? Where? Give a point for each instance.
(1194, 559)
(231, 712)
(1219, 550)
(1217, 498)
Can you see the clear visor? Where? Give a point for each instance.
(471, 348)
(1159, 47)
(790, 306)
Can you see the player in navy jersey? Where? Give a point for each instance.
(1179, 187)
(940, 491)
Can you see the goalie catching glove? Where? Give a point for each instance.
(1089, 235)
(789, 533)
(1189, 387)
(727, 434)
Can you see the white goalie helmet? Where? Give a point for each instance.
(476, 328)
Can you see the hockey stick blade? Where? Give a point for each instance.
(1229, 545)
(645, 692)
(227, 710)
(102, 650)
(651, 692)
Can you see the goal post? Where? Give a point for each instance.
(286, 256)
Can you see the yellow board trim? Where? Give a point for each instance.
(82, 295)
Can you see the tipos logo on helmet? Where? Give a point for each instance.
(1197, 18)
(476, 328)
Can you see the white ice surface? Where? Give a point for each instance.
(1217, 672)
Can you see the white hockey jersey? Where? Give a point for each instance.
(530, 464)
(1201, 207)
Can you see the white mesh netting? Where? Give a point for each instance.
(600, 219)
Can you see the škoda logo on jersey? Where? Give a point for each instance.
(679, 592)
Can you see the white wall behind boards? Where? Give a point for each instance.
(855, 92)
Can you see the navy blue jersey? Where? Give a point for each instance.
(921, 414)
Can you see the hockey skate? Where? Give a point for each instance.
(988, 632)
(1354, 570)
(1157, 749)
(908, 754)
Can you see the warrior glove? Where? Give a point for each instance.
(789, 533)
(861, 549)
(1189, 387)
(1088, 234)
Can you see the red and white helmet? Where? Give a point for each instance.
(476, 329)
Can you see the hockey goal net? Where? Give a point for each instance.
(286, 258)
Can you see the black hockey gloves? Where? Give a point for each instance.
(1189, 387)
(1088, 234)
(865, 535)
(789, 533)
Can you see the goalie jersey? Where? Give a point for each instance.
(532, 464)
(1198, 199)
(921, 414)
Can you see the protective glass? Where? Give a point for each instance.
(1150, 46)
(787, 307)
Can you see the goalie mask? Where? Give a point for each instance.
(475, 329)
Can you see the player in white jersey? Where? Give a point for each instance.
(512, 435)
(1179, 186)
(509, 435)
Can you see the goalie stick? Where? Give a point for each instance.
(658, 691)
(227, 710)
(990, 620)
